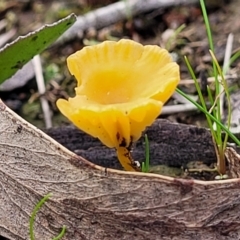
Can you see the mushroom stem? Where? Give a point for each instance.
(126, 160)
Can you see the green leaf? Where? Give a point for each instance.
(14, 55)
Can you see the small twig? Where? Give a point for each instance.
(226, 61)
(228, 53)
(41, 89)
(209, 80)
(3, 24)
(178, 108)
(6, 37)
(227, 56)
(116, 12)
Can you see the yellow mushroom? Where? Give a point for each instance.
(121, 89)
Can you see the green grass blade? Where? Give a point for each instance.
(211, 45)
(205, 17)
(210, 97)
(215, 137)
(196, 83)
(146, 163)
(233, 58)
(225, 87)
(61, 234)
(173, 37)
(231, 135)
(147, 155)
(33, 215)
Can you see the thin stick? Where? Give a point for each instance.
(166, 110)
(209, 79)
(227, 57)
(116, 12)
(41, 89)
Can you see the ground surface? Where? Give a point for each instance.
(148, 28)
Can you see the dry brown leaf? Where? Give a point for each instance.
(98, 203)
(233, 159)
